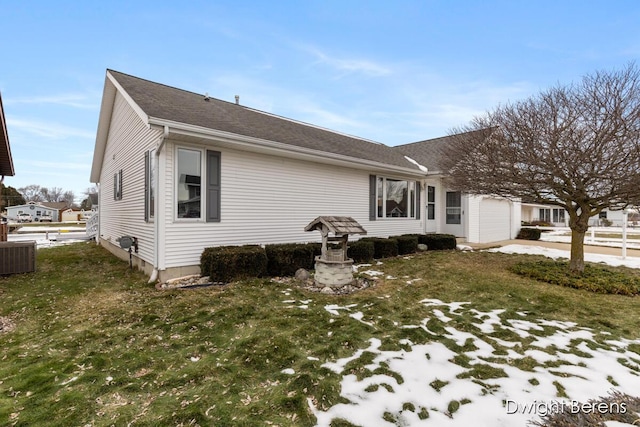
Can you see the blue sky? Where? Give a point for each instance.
(390, 71)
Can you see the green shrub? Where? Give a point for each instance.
(228, 263)
(407, 244)
(529, 234)
(595, 278)
(383, 248)
(438, 242)
(361, 250)
(285, 259)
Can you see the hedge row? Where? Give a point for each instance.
(285, 259)
(529, 234)
(229, 263)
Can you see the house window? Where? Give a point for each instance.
(188, 186)
(558, 215)
(545, 215)
(431, 202)
(396, 198)
(198, 184)
(149, 184)
(453, 207)
(117, 185)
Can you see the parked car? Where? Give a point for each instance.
(44, 218)
(24, 217)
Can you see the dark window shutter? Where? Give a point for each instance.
(372, 198)
(146, 186)
(213, 186)
(418, 206)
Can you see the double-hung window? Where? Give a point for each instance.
(558, 215)
(545, 215)
(198, 184)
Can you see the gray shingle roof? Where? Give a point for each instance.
(169, 103)
(428, 153)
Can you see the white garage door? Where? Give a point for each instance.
(495, 220)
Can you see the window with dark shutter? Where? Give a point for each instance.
(213, 186)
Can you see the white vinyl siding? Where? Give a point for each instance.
(267, 199)
(129, 139)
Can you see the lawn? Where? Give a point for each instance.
(87, 342)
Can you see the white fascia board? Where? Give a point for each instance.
(106, 110)
(111, 87)
(143, 116)
(279, 148)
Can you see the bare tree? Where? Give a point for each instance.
(576, 147)
(31, 193)
(35, 193)
(68, 197)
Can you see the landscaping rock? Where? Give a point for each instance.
(302, 274)
(194, 280)
(327, 290)
(422, 247)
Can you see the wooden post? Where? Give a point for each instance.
(325, 234)
(4, 231)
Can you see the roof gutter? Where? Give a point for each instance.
(278, 147)
(156, 208)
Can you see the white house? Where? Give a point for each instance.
(36, 210)
(180, 172)
(555, 215)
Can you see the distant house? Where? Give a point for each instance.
(71, 215)
(534, 213)
(36, 210)
(180, 171)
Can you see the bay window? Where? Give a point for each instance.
(396, 198)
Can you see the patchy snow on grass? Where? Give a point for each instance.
(333, 308)
(467, 377)
(615, 261)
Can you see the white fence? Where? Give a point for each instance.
(93, 225)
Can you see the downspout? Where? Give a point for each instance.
(156, 208)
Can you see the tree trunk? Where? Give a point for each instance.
(576, 264)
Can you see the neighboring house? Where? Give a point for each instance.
(180, 172)
(535, 213)
(36, 210)
(71, 215)
(615, 218)
(558, 217)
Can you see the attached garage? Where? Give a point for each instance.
(495, 220)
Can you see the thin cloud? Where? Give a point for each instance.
(58, 165)
(68, 100)
(349, 65)
(47, 130)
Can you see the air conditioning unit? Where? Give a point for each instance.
(17, 257)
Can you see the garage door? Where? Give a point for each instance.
(495, 220)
